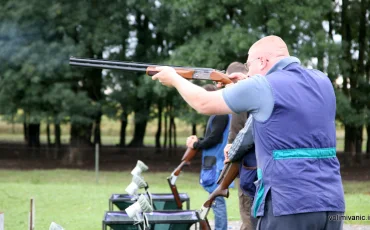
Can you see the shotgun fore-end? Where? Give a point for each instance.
(177, 170)
(185, 73)
(189, 154)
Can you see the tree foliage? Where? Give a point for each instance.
(37, 37)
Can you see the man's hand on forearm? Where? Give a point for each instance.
(235, 77)
(191, 140)
(167, 76)
(226, 153)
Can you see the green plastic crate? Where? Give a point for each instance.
(158, 220)
(160, 201)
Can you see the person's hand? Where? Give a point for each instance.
(191, 140)
(219, 85)
(166, 75)
(226, 153)
(230, 84)
(237, 76)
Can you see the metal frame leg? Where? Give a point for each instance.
(110, 205)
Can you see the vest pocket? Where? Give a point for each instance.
(208, 172)
(248, 175)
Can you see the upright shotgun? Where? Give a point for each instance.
(186, 158)
(227, 176)
(150, 69)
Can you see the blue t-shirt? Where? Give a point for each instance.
(254, 94)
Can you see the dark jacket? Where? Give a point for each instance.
(237, 123)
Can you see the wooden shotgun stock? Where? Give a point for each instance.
(186, 158)
(175, 193)
(204, 225)
(231, 171)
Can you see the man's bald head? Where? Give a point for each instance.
(272, 45)
(264, 54)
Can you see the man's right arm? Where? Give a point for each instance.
(242, 97)
(253, 95)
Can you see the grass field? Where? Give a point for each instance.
(72, 199)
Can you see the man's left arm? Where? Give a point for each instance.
(219, 124)
(243, 142)
(237, 124)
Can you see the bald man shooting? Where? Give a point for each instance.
(299, 183)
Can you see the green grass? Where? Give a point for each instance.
(73, 199)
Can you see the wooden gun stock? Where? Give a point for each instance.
(204, 225)
(186, 158)
(231, 171)
(175, 193)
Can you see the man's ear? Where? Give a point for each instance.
(263, 63)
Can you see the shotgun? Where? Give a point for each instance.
(186, 158)
(231, 171)
(204, 225)
(150, 69)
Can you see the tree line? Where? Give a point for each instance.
(38, 36)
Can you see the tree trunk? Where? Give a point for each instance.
(80, 147)
(320, 62)
(194, 129)
(139, 133)
(122, 135)
(170, 133)
(368, 142)
(13, 124)
(165, 129)
(25, 131)
(358, 142)
(34, 135)
(349, 144)
(48, 134)
(80, 134)
(57, 133)
(159, 127)
(142, 112)
(97, 135)
(174, 132)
